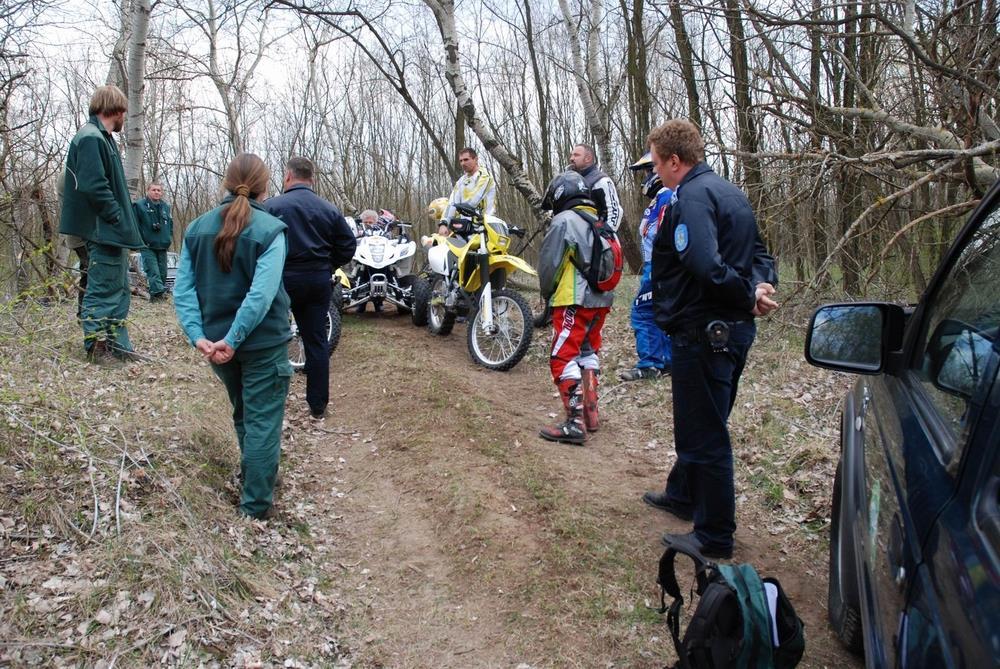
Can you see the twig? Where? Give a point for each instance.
(345, 433)
(44, 643)
(93, 489)
(63, 517)
(37, 433)
(852, 228)
(118, 492)
(955, 208)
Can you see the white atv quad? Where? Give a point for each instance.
(381, 271)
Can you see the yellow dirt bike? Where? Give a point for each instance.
(468, 277)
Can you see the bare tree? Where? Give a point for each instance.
(134, 139)
(444, 14)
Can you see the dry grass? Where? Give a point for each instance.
(119, 538)
(423, 525)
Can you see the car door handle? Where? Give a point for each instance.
(897, 570)
(866, 400)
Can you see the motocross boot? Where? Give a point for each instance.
(572, 430)
(590, 416)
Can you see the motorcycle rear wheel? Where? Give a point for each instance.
(513, 324)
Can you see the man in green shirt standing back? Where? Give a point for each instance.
(157, 229)
(97, 207)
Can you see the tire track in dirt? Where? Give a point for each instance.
(461, 539)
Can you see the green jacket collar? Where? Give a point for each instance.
(100, 126)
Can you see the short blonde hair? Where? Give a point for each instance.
(108, 100)
(679, 137)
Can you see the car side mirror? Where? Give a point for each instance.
(855, 337)
(958, 355)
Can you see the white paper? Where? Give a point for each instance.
(771, 591)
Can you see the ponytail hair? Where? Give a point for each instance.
(246, 178)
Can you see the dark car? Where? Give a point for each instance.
(915, 532)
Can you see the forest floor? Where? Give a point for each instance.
(422, 524)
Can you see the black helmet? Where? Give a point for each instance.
(565, 191)
(652, 185)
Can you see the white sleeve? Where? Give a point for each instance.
(490, 198)
(616, 215)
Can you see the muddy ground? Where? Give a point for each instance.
(422, 524)
(457, 538)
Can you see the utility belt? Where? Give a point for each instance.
(714, 334)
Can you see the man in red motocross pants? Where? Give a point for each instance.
(578, 310)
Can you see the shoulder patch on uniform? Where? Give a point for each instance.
(681, 237)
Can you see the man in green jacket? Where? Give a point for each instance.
(97, 207)
(157, 230)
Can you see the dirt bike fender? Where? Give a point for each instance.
(342, 278)
(511, 264)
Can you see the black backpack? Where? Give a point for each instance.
(731, 626)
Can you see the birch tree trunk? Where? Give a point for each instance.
(135, 124)
(444, 15)
(587, 82)
(116, 70)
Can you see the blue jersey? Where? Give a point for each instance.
(651, 222)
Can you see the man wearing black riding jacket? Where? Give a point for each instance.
(711, 276)
(319, 241)
(583, 161)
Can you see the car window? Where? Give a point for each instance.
(960, 331)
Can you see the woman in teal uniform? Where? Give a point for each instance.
(230, 302)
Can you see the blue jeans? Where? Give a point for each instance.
(651, 343)
(704, 384)
(309, 292)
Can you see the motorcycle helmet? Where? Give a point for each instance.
(385, 219)
(436, 209)
(644, 163)
(565, 191)
(652, 185)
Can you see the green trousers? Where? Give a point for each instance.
(107, 298)
(257, 383)
(154, 264)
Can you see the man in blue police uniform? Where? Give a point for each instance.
(711, 276)
(319, 241)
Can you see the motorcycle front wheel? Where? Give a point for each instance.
(507, 342)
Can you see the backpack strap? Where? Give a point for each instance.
(667, 579)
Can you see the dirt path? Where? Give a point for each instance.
(457, 538)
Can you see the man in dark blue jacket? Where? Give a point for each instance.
(319, 241)
(711, 276)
